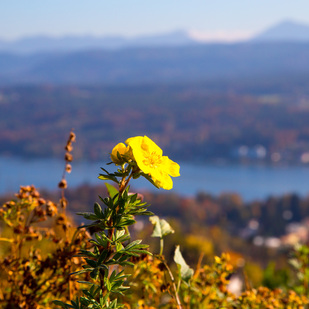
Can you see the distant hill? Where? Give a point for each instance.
(245, 61)
(280, 52)
(285, 31)
(74, 43)
(288, 31)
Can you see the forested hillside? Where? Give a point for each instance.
(204, 122)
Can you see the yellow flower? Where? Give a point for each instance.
(122, 150)
(150, 160)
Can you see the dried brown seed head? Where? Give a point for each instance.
(63, 202)
(68, 157)
(41, 201)
(68, 168)
(39, 212)
(51, 209)
(63, 184)
(69, 147)
(35, 193)
(72, 137)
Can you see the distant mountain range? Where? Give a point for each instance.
(245, 61)
(71, 43)
(284, 31)
(279, 52)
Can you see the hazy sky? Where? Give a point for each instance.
(229, 19)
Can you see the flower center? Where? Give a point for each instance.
(152, 160)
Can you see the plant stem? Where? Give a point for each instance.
(124, 183)
(179, 306)
(122, 186)
(161, 245)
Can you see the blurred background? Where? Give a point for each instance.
(221, 86)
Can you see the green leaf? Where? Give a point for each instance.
(112, 191)
(85, 282)
(125, 222)
(119, 246)
(101, 239)
(146, 213)
(81, 271)
(108, 177)
(94, 274)
(126, 263)
(88, 215)
(63, 305)
(133, 244)
(84, 253)
(185, 271)
(103, 256)
(133, 197)
(120, 233)
(161, 227)
(107, 284)
(91, 263)
(98, 211)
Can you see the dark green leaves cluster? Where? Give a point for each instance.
(131, 167)
(111, 249)
(118, 213)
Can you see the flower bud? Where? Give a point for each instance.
(118, 153)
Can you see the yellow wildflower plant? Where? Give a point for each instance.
(118, 153)
(149, 158)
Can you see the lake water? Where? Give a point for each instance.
(251, 182)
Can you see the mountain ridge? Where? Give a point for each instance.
(70, 43)
(240, 61)
(287, 30)
(172, 57)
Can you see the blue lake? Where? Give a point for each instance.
(251, 182)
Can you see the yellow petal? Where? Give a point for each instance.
(164, 181)
(142, 148)
(171, 167)
(150, 146)
(217, 259)
(134, 141)
(148, 156)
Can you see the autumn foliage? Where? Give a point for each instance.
(47, 262)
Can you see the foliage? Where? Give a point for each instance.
(45, 262)
(207, 288)
(300, 262)
(193, 122)
(38, 248)
(112, 247)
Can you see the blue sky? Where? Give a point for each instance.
(230, 19)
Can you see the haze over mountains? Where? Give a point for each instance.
(73, 43)
(205, 101)
(286, 31)
(279, 51)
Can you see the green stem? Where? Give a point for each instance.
(161, 245)
(122, 186)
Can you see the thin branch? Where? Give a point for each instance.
(161, 258)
